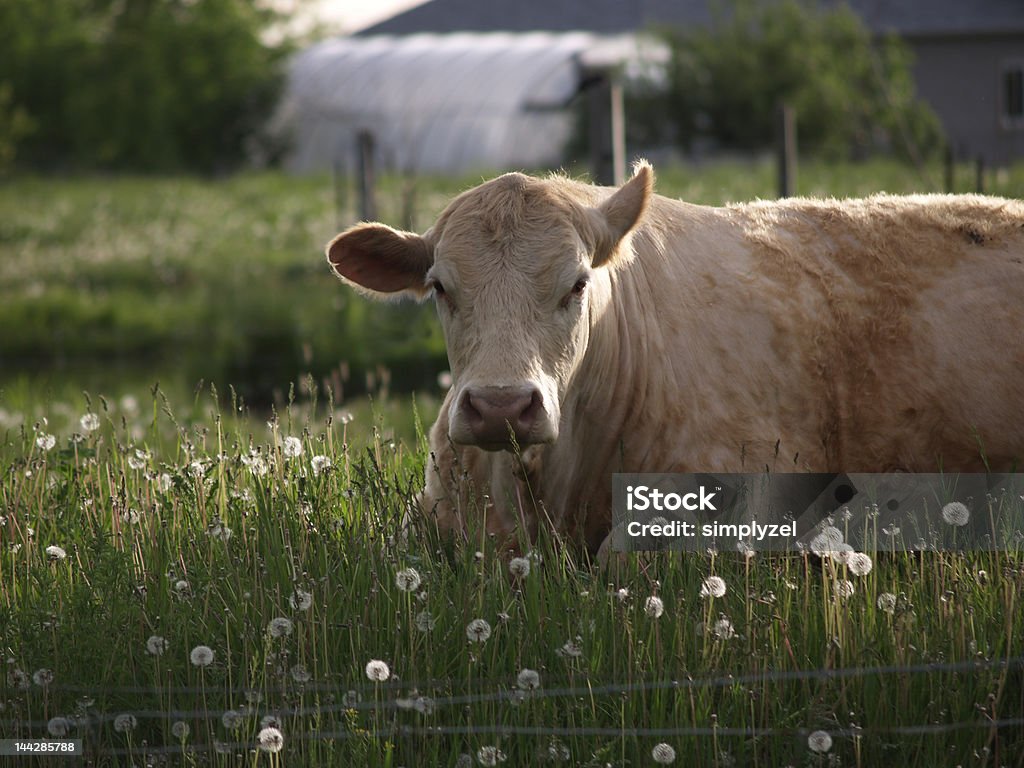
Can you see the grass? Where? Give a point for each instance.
(142, 508)
(109, 285)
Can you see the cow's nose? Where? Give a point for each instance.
(494, 414)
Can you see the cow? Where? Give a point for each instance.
(593, 330)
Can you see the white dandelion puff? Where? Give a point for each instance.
(292, 447)
(723, 629)
(408, 580)
(232, 719)
(270, 740)
(490, 756)
(180, 730)
(622, 594)
(713, 586)
(156, 645)
(519, 567)
(42, 677)
(138, 459)
(425, 621)
(125, 722)
(819, 742)
(45, 442)
(528, 679)
(844, 588)
(58, 727)
(221, 532)
(201, 656)
(197, 469)
(280, 627)
(320, 464)
(859, 563)
(301, 600)
(300, 674)
(90, 422)
(663, 754)
(351, 698)
(164, 482)
(654, 607)
(53, 552)
(956, 514)
(478, 630)
(571, 649)
(377, 670)
(886, 602)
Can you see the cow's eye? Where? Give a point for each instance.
(577, 290)
(438, 287)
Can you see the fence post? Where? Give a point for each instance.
(606, 130)
(366, 180)
(787, 150)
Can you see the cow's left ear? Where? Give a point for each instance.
(620, 213)
(382, 260)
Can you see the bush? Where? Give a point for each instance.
(852, 95)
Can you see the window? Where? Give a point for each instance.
(1012, 94)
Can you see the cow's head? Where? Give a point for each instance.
(518, 270)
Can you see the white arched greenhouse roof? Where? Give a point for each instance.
(438, 103)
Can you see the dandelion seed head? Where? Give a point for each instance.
(571, 649)
(164, 482)
(819, 742)
(42, 677)
(654, 606)
(59, 727)
(713, 586)
(320, 464)
(351, 698)
(53, 552)
(408, 580)
(859, 563)
(956, 514)
(300, 674)
(528, 679)
(844, 588)
(280, 627)
(301, 600)
(45, 442)
(622, 594)
(886, 602)
(425, 621)
(292, 447)
(270, 740)
(478, 631)
(232, 719)
(90, 422)
(125, 722)
(490, 756)
(377, 670)
(519, 567)
(723, 629)
(180, 730)
(663, 754)
(201, 656)
(156, 645)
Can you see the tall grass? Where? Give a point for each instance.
(182, 525)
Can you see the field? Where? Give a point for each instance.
(184, 566)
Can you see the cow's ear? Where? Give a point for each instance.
(620, 213)
(382, 260)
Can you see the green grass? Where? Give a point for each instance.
(141, 504)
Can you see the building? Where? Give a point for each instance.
(969, 54)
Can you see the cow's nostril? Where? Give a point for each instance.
(469, 408)
(532, 410)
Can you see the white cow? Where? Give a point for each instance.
(593, 330)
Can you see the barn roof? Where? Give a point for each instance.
(904, 17)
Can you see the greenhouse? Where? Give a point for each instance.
(441, 103)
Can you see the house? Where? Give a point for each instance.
(969, 56)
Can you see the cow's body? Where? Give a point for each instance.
(804, 335)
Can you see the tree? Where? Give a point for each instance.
(851, 94)
(142, 85)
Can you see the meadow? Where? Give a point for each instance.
(197, 574)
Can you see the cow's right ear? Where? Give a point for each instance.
(621, 213)
(380, 260)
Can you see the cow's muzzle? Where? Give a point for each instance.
(499, 418)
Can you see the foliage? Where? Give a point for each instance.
(145, 84)
(851, 94)
(14, 126)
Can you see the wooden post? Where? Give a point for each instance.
(949, 168)
(366, 180)
(607, 131)
(787, 150)
(979, 175)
